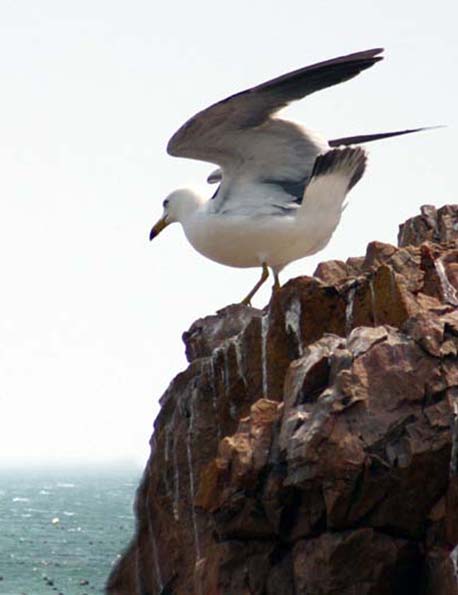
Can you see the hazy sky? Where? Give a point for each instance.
(91, 313)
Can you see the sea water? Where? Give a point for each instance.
(62, 530)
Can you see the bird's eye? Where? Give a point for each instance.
(165, 204)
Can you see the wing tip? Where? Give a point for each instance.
(367, 138)
(371, 56)
(349, 162)
(371, 53)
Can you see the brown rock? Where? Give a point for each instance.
(333, 272)
(207, 334)
(360, 561)
(313, 447)
(419, 229)
(378, 253)
(432, 225)
(439, 574)
(241, 458)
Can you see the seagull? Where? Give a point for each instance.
(281, 187)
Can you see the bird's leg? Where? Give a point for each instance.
(265, 274)
(276, 280)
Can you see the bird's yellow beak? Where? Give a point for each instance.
(156, 230)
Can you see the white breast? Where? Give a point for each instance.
(249, 241)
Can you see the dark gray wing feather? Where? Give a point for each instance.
(280, 91)
(209, 135)
(367, 138)
(295, 188)
(348, 159)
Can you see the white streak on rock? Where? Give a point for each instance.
(298, 382)
(223, 351)
(166, 458)
(236, 341)
(166, 445)
(449, 292)
(264, 332)
(293, 322)
(176, 473)
(401, 235)
(454, 559)
(226, 370)
(211, 365)
(349, 309)
(157, 567)
(372, 292)
(233, 411)
(191, 473)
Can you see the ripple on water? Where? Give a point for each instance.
(82, 544)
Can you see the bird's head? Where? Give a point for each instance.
(178, 207)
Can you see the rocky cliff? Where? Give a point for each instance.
(311, 448)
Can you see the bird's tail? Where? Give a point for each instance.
(334, 174)
(367, 138)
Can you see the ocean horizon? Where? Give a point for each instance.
(62, 529)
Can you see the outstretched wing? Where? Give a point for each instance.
(215, 134)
